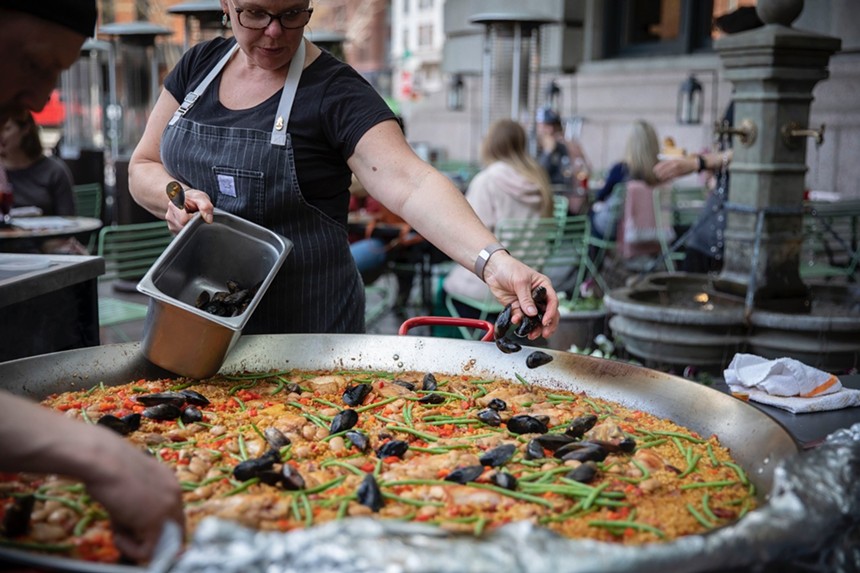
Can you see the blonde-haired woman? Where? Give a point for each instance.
(640, 157)
(512, 185)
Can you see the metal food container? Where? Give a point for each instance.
(178, 336)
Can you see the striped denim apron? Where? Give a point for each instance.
(252, 174)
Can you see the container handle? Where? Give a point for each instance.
(448, 321)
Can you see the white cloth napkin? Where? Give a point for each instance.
(788, 384)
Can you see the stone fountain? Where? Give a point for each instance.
(758, 303)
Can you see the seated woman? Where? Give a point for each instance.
(640, 157)
(511, 186)
(36, 179)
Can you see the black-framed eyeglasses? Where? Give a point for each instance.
(260, 19)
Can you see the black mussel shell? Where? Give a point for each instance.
(429, 383)
(405, 384)
(233, 286)
(432, 398)
(538, 358)
(552, 442)
(584, 473)
(191, 415)
(587, 453)
(369, 494)
(16, 520)
(508, 346)
(276, 438)
(539, 296)
(291, 479)
(122, 425)
(219, 296)
(490, 417)
(175, 398)
(627, 445)
(578, 426)
(344, 420)
(505, 480)
(392, 448)
(355, 395)
(528, 324)
(358, 439)
(534, 450)
(202, 299)
(194, 398)
(465, 474)
(497, 405)
(543, 418)
(252, 468)
(293, 388)
(162, 412)
(498, 456)
(270, 477)
(525, 424)
(503, 323)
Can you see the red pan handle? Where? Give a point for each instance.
(448, 321)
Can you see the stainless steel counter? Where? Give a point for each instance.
(48, 303)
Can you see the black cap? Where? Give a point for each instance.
(77, 15)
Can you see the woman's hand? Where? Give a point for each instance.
(512, 282)
(673, 168)
(195, 201)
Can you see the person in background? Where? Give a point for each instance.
(36, 179)
(640, 157)
(512, 185)
(271, 129)
(563, 160)
(38, 40)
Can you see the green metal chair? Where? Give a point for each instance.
(831, 241)
(88, 203)
(554, 246)
(128, 251)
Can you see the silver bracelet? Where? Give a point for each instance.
(484, 256)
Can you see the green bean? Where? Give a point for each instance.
(592, 497)
(597, 409)
(641, 467)
(324, 486)
(440, 449)
(741, 474)
(373, 405)
(449, 394)
(309, 514)
(480, 436)
(239, 401)
(707, 508)
(343, 465)
(328, 403)
(691, 466)
(243, 450)
(138, 389)
(561, 398)
(415, 502)
(179, 387)
(341, 510)
(681, 435)
(86, 416)
(385, 419)
(73, 488)
(280, 385)
(424, 436)
(456, 422)
(714, 461)
(83, 523)
(294, 506)
(501, 490)
(532, 476)
(523, 381)
(651, 444)
(481, 382)
(240, 387)
(378, 469)
(722, 483)
(70, 503)
(256, 375)
(259, 433)
(577, 507)
(245, 485)
(699, 517)
(407, 415)
(480, 525)
(612, 524)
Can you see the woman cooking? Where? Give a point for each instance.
(271, 128)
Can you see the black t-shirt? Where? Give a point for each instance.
(334, 108)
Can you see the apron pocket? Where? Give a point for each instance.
(240, 191)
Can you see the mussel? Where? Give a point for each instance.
(538, 358)
(465, 474)
(625, 445)
(584, 473)
(490, 417)
(498, 456)
(405, 384)
(503, 323)
(194, 398)
(528, 324)
(190, 415)
(392, 448)
(578, 426)
(505, 480)
(355, 395)
(123, 426)
(525, 424)
(291, 479)
(254, 467)
(581, 452)
(552, 442)
(175, 398)
(432, 398)
(429, 382)
(508, 346)
(358, 439)
(497, 405)
(534, 450)
(369, 494)
(344, 420)
(16, 520)
(276, 438)
(162, 412)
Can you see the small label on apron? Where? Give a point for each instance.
(227, 185)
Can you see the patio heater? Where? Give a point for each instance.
(202, 20)
(84, 89)
(512, 49)
(134, 85)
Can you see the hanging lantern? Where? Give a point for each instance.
(690, 102)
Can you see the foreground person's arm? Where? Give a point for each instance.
(428, 201)
(139, 493)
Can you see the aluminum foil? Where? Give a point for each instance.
(810, 523)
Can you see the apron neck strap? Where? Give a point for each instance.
(288, 97)
(192, 96)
